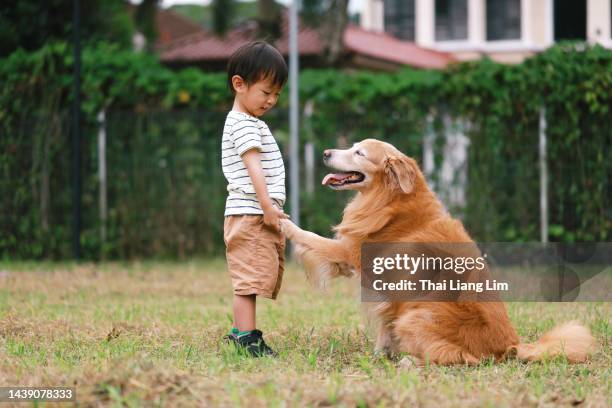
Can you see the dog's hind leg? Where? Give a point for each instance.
(437, 352)
(445, 353)
(416, 336)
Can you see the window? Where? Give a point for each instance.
(503, 20)
(399, 18)
(570, 19)
(451, 20)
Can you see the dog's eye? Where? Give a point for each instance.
(359, 153)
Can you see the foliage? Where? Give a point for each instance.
(29, 24)
(166, 190)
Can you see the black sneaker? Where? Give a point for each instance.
(229, 339)
(253, 343)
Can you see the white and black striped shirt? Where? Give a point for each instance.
(243, 132)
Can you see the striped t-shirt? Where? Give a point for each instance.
(243, 132)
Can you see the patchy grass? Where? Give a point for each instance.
(148, 334)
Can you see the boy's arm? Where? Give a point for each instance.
(272, 215)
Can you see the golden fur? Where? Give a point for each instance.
(394, 204)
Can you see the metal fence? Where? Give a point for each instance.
(153, 185)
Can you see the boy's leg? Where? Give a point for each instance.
(247, 264)
(244, 312)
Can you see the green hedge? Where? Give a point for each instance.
(166, 190)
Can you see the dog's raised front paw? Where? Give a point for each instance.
(289, 228)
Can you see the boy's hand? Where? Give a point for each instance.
(272, 216)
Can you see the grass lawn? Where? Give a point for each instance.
(148, 334)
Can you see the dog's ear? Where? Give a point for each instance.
(401, 173)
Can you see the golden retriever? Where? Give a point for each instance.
(394, 204)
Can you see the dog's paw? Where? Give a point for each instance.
(410, 363)
(289, 228)
(383, 353)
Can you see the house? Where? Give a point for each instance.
(362, 49)
(170, 26)
(505, 30)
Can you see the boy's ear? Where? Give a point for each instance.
(238, 83)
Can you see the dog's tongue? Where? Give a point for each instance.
(330, 178)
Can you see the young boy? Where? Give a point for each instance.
(255, 174)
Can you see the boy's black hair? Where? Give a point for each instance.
(255, 61)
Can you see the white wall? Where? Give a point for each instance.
(372, 15)
(598, 22)
(425, 29)
(537, 28)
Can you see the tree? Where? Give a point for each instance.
(29, 24)
(145, 21)
(223, 13)
(269, 19)
(329, 17)
(332, 30)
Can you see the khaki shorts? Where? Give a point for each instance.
(255, 255)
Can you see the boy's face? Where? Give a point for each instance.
(256, 98)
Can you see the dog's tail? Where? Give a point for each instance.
(570, 339)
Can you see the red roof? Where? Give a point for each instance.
(205, 46)
(171, 26)
(385, 47)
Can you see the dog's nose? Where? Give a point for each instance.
(326, 154)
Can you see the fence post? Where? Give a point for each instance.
(309, 166)
(76, 133)
(309, 159)
(294, 139)
(102, 173)
(429, 165)
(543, 177)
